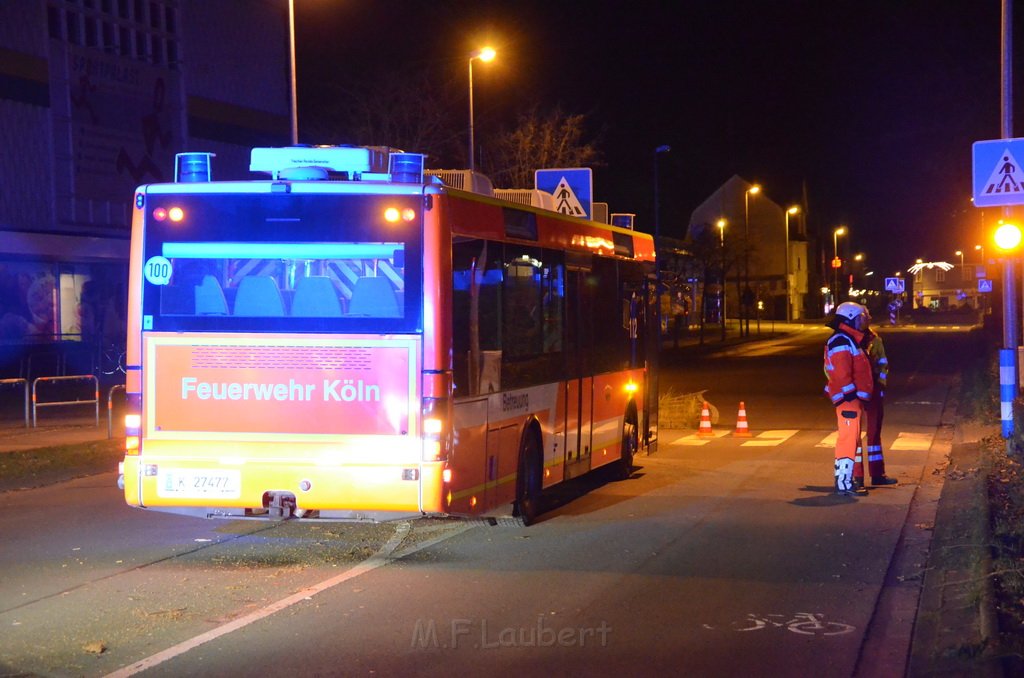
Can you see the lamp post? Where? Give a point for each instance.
(486, 54)
(291, 69)
(657, 234)
(721, 234)
(745, 318)
(795, 209)
(657, 211)
(836, 263)
(981, 252)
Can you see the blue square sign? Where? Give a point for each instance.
(573, 188)
(998, 179)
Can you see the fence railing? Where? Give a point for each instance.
(57, 403)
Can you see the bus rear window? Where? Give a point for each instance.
(300, 280)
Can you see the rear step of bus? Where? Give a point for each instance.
(279, 505)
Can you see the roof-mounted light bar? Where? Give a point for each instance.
(355, 161)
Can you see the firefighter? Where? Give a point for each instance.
(849, 387)
(874, 411)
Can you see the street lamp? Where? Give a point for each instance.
(795, 209)
(657, 212)
(486, 54)
(721, 234)
(753, 190)
(836, 263)
(981, 250)
(291, 68)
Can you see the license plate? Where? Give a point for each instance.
(199, 483)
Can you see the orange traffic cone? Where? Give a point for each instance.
(741, 423)
(705, 422)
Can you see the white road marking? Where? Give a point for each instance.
(771, 438)
(912, 441)
(378, 559)
(829, 440)
(694, 440)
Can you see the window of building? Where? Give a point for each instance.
(142, 29)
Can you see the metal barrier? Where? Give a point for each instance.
(24, 384)
(78, 377)
(110, 408)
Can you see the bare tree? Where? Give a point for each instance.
(538, 141)
(405, 110)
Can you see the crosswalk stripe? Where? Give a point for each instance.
(693, 440)
(912, 441)
(771, 438)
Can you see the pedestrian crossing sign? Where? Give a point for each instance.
(572, 187)
(984, 285)
(896, 285)
(998, 177)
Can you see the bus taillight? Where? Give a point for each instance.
(132, 432)
(435, 429)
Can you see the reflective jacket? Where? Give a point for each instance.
(879, 361)
(847, 367)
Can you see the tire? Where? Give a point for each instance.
(529, 493)
(630, 445)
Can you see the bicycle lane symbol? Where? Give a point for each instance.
(804, 623)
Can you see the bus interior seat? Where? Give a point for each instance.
(315, 297)
(210, 297)
(258, 296)
(375, 297)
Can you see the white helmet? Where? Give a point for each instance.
(850, 310)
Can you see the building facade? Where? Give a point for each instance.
(769, 247)
(96, 98)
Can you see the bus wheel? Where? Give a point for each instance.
(630, 444)
(529, 496)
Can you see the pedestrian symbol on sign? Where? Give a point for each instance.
(566, 201)
(1006, 177)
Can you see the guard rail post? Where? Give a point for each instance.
(110, 408)
(24, 388)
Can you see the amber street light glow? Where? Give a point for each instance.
(1007, 236)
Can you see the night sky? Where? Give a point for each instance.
(874, 105)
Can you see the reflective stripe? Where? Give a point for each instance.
(874, 448)
(874, 457)
(883, 361)
(863, 395)
(849, 388)
(840, 349)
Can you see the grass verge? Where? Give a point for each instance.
(47, 465)
(1006, 501)
(979, 400)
